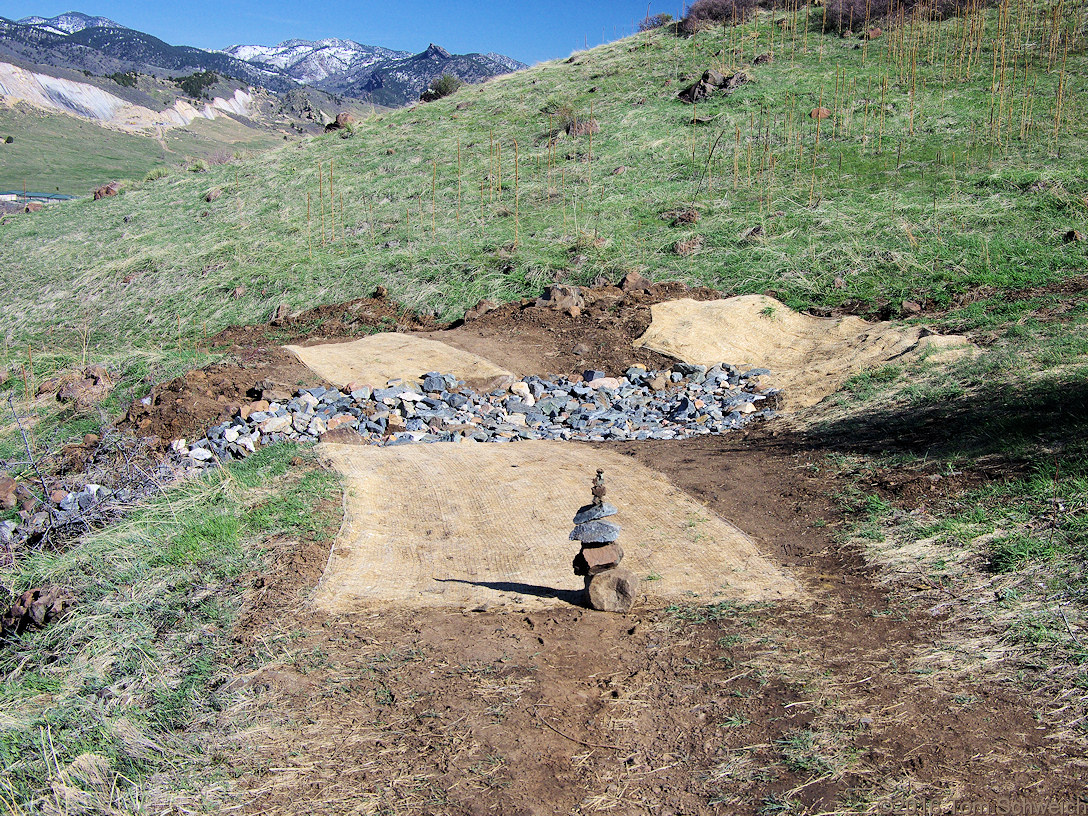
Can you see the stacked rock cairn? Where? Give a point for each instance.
(609, 587)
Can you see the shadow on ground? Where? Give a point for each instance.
(573, 597)
(1011, 423)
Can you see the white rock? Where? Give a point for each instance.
(201, 454)
(309, 399)
(276, 424)
(317, 426)
(231, 434)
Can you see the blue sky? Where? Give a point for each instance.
(529, 31)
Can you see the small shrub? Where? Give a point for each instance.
(156, 174)
(654, 21)
(443, 86)
(855, 15)
(198, 166)
(9, 140)
(705, 13)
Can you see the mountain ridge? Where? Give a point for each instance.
(339, 66)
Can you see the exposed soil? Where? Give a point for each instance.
(687, 711)
(518, 336)
(821, 705)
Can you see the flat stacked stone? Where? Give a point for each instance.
(609, 587)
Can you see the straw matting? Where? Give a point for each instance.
(809, 357)
(487, 523)
(378, 358)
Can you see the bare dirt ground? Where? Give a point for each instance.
(684, 710)
(821, 706)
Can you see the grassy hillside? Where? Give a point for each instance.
(953, 159)
(50, 152)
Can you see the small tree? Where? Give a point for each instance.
(654, 21)
(705, 13)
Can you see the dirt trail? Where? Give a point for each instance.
(679, 710)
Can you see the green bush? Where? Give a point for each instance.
(443, 86)
(196, 85)
(127, 79)
(9, 139)
(157, 173)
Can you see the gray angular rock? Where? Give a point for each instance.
(596, 532)
(592, 512)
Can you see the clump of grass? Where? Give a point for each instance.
(156, 174)
(136, 664)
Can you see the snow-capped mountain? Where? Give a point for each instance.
(369, 72)
(69, 22)
(314, 62)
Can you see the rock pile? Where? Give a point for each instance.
(688, 400)
(609, 588)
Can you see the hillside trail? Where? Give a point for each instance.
(826, 702)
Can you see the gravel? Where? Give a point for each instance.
(694, 401)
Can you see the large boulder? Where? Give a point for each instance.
(107, 190)
(342, 121)
(711, 82)
(562, 298)
(614, 590)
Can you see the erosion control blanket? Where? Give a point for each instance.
(809, 357)
(378, 358)
(475, 523)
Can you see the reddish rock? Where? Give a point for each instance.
(634, 282)
(35, 607)
(281, 314)
(911, 308)
(820, 113)
(480, 309)
(343, 120)
(613, 590)
(57, 496)
(599, 559)
(561, 298)
(33, 207)
(339, 421)
(343, 436)
(873, 33)
(246, 410)
(107, 190)
(7, 492)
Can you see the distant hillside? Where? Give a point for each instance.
(69, 23)
(378, 75)
(914, 178)
(404, 79)
(316, 62)
(100, 46)
(108, 49)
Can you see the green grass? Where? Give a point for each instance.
(134, 673)
(50, 153)
(918, 199)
